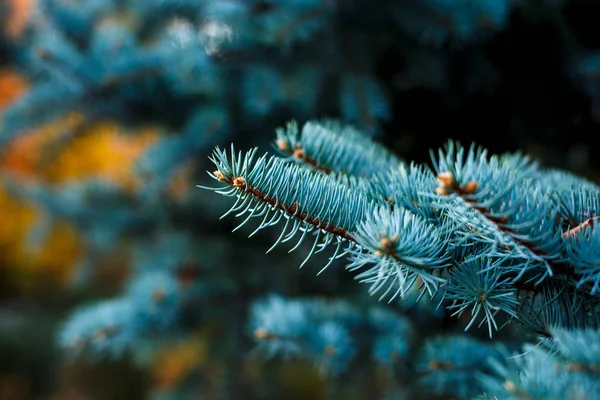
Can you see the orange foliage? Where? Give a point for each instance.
(55, 256)
(173, 363)
(12, 86)
(16, 220)
(19, 13)
(62, 151)
(23, 157)
(60, 251)
(103, 151)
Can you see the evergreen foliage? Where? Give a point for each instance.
(117, 103)
(496, 241)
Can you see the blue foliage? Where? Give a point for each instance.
(328, 144)
(492, 234)
(113, 327)
(282, 323)
(157, 298)
(103, 329)
(394, 336)
(488, 230)
(397, 261)
(488, 240)
(328, 333)
(566, 369)
(454, 21)
(448, 364)
(107, 57)
(262, 90)
(482, 290)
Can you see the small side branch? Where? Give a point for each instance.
(291, 209)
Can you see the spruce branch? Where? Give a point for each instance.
(556, 304)
(590, 222)
(331, 147)
(483, 289)
(583, 251)
(402, 247)
(407, 186)
(276, 189)
(484, 231)
(576, 204)
(508, 205)
(564, 367)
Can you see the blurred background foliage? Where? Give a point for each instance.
(108, 110)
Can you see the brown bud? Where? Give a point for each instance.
(510, 386)
(435, 365)
(262, 334)
(282, 144)
(239, 182)
(384, 243)
(219, 176)
(446, 179)
(470, 187)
